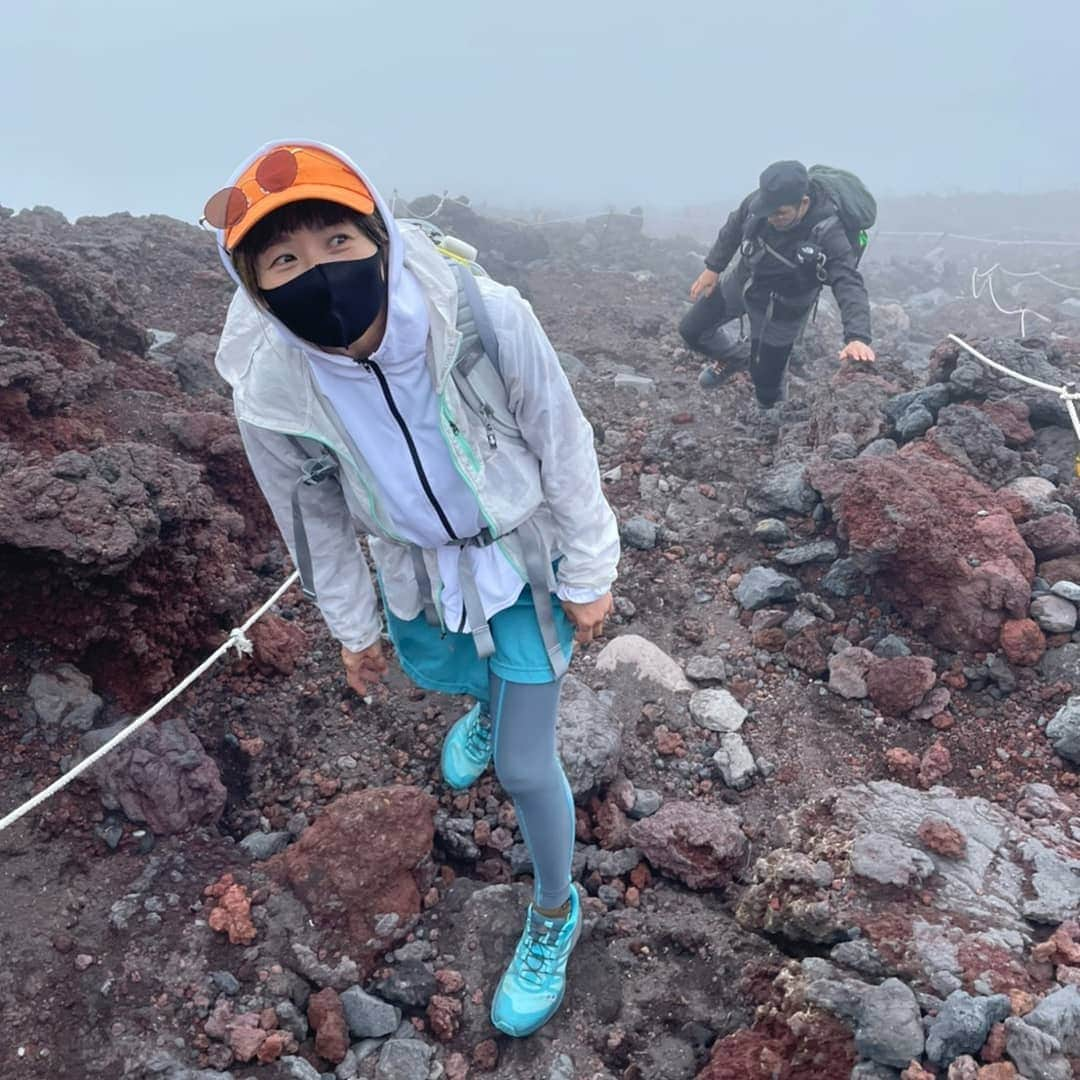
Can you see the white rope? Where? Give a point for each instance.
(1032, 273)
(1068, 394)
(505, 221)
(237, 639)
(987, 286)
(980, 239)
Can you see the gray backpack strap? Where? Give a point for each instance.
(474, 606)
(538, 568)
(319, 463)
(423, 583)
(481, 321)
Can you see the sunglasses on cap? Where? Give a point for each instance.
(227, 207)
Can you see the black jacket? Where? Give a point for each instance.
(841, 272)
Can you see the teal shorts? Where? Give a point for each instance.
(447, 662)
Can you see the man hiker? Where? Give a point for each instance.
(799, 231)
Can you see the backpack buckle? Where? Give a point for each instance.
(315, 470)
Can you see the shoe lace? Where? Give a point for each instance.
(537, 952)
(478, 736)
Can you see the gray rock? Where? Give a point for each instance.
(800, 620)
(915, 421)
(1063, 731)
(762, 585)
(883, 858)
(890, 1029)
(647, 661)
(813, 602)
(734, 762)
(859, 955)
(640, 383)
(706, 669)
(261, 845)
(1067, 590)
(844, 579)
(847, 672)
(455, 834)
(611, 864)
(871, 1070)
(890, 647)
(1034, 1053)
(226, 982)
(646, 803)
(1061, 664)
(818, 551)
(843, 447)
(65, 696)
(1054, 614)
(771, 531)
(1058, 1014)
(410, 983)
(590, 740)
(784, 487)
(962, 1025)
(931, 398)
(296, 1068)
(640, 533)
(349, 1068)
(879, 448)
(562, 1068)
(292, 1020)
(368, 1017)
(404, 1059)
(717, 710)
(571, 365)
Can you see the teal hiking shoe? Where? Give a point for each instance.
(466, 751)
(532, 988)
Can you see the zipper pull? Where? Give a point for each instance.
(492, 442)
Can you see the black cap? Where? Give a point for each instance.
(784, 183)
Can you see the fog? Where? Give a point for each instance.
(146, 106)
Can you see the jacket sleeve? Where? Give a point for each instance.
(555, 429)
(729, 238)
(847, 285)
(343, 587)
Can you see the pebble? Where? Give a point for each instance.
(226, 982)
(646, 803)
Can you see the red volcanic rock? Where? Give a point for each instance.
(942, 838)
(897, 685)
(948, 554)
(278, 644)
(347, 885)
(1013, 417)
(702, 847)
(327, 1017)
(1022, 642)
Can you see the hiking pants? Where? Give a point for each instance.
(775, 324)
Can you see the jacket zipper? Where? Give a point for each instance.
(390, 404)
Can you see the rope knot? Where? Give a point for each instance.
(239, 641)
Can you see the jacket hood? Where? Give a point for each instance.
(394, 262)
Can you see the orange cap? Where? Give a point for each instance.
(319, 175)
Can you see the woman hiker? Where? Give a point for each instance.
(381, 387)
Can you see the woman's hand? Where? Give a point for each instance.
(365, 668)
(705, 283)
(588, 619)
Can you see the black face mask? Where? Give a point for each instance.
(333, 303)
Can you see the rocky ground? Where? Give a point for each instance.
(825, 766)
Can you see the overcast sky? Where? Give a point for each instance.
(146, 105)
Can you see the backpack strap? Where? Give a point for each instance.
(474, 319)
(318, 464)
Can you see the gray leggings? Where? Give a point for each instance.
(523, 717)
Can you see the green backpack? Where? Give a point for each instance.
(856, 207)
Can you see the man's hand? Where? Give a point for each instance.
(588, 619)
(705, 284)
(365, 668)
(858, 350)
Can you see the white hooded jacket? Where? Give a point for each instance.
(283, 387)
